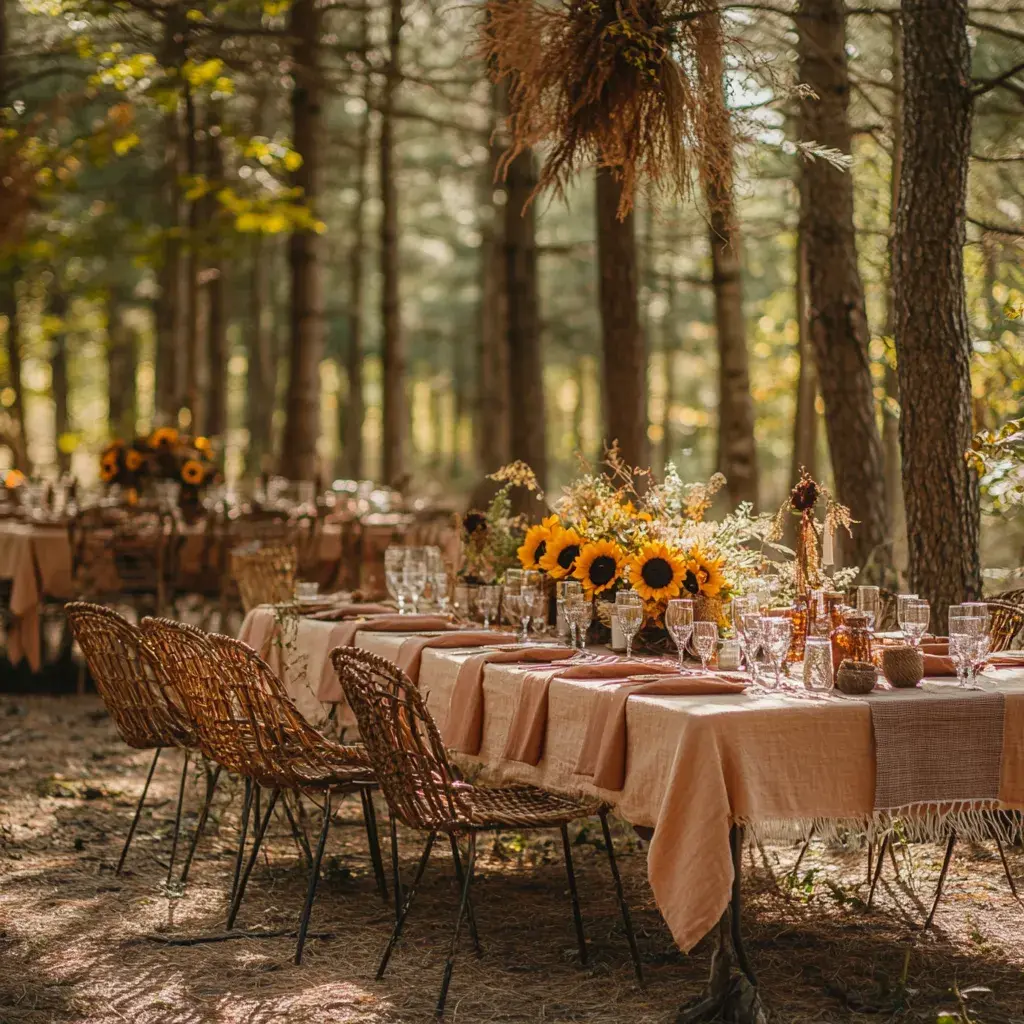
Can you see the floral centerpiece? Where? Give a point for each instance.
(164, 455)
(616, 527)
(490, 539)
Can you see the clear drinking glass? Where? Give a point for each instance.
(868, 599)
(705, 640)
(818, 663)
(563, 590)
(629, 609)
(306, 590)
(528, 595)
(415, 577)
(488, 601)
(914, 620)
(582, 612)
(439, 585)
(679, 623)
(752, 635)
(778, 631)
(902, 602)
(964, 631)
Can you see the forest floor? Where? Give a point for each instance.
(78, 944)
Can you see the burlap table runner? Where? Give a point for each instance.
(936, 749)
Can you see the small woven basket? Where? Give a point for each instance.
(903, 666)
(856, 677)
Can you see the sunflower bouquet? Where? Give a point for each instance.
(490, 539)
(164, 455)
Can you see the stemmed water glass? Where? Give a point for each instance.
(629, 609)
(914, 619)
(679, 623)
(778, 632)
(751, 632)
(969, 640)
(565, 592)
(394, 575)
(705, 640)
(439, 585)
(903, 601)
(582, 612)
(488, 601)
(867, 602)
(415, 574)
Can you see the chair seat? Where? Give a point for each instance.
(522, 807)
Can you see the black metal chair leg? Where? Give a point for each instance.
(396, 873)
(459, 877)
(453, 948)
(1006, 865)
(138, 811)
(871, 852)
(942, 879)
(177, 818)
(314, 878)
(627, 921)
(577, 917)
(879, 861)
(736, 917)
(409, 896)
(204, 814)
(298, 833)
(243, 829)
(261, 828)
(373, 839)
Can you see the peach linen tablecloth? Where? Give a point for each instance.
(37, 561)
(695, 765)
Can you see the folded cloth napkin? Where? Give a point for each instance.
(528, 730)
(410, 654)
(603, 754)
(344, 635)
(939, 662)
(463, 728)
(349, 610)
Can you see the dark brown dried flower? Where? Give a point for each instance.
(473, 523)
(805, 495)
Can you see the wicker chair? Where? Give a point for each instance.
(248, 724)
(144, 711)
(424, 792)
(265, 575)
(1006, 622)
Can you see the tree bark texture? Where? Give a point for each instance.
(624, 372)
(395, 411)
(737, 450)
(121, 371)
(194, 372)
(262, 360)
(933, 345)
(527, 421)
(9, 309)
(215, 423)
(805, 421)
(59, 374)
(838, 319)
(306, 334)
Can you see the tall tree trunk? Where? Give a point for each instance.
(59, 373)
(805, 421)
(121, 370)
(838, 319)
(669, 344)
(262, 360)
(527, 420)
(9, 309)
(193, 374)
(353, 411)
(737, 450)
(170, 304)
(302, 404)
(215, 423)
(492, 386)
(933, 345)
(624, 372)
(395, 406)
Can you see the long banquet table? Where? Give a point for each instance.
(695, 765)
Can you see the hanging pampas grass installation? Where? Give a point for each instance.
(612, 83)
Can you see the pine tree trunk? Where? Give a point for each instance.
(306, 342)
(395, 406)
(9, 309)
(492, 386)
(262, 361)
(737, 450)
(805, 421)
(193, 373)
(669, 343)
(838, 319)
(624, 362)
(933, 345)
(59, 374)
(215, 424)
(121, 371)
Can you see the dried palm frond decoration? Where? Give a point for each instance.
(613, 83)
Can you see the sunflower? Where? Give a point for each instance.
(109, 466)
(192, 472)
(703, 575)
(535, 543)
(13, 478)
(560, 553)
(163, 437)
(133, 460)
(202, 444)
(657, 572)
(599, 565)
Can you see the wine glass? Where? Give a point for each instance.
(528, 597)
(867, 602)
(629, 609)
(439, 585)
(415, 573)
(564, 590)
(751, 631)
(964, 631)
(679, 623)
(705, 640)
(582, 612)
(778, 632)
(488, 601)
(902, 603)
(914, 620)
(394, 575)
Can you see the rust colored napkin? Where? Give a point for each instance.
(603, 754)
(344, 635)
(338, 612)
(938, 662)
(410, 654)
(528, 730)
(463, 728)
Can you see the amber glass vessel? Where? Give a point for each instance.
(852, 639)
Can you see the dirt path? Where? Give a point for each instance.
(77, 943)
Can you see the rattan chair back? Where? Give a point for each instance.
(1005, 623)
(132, 687)
(265, 575)
(402, 741)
